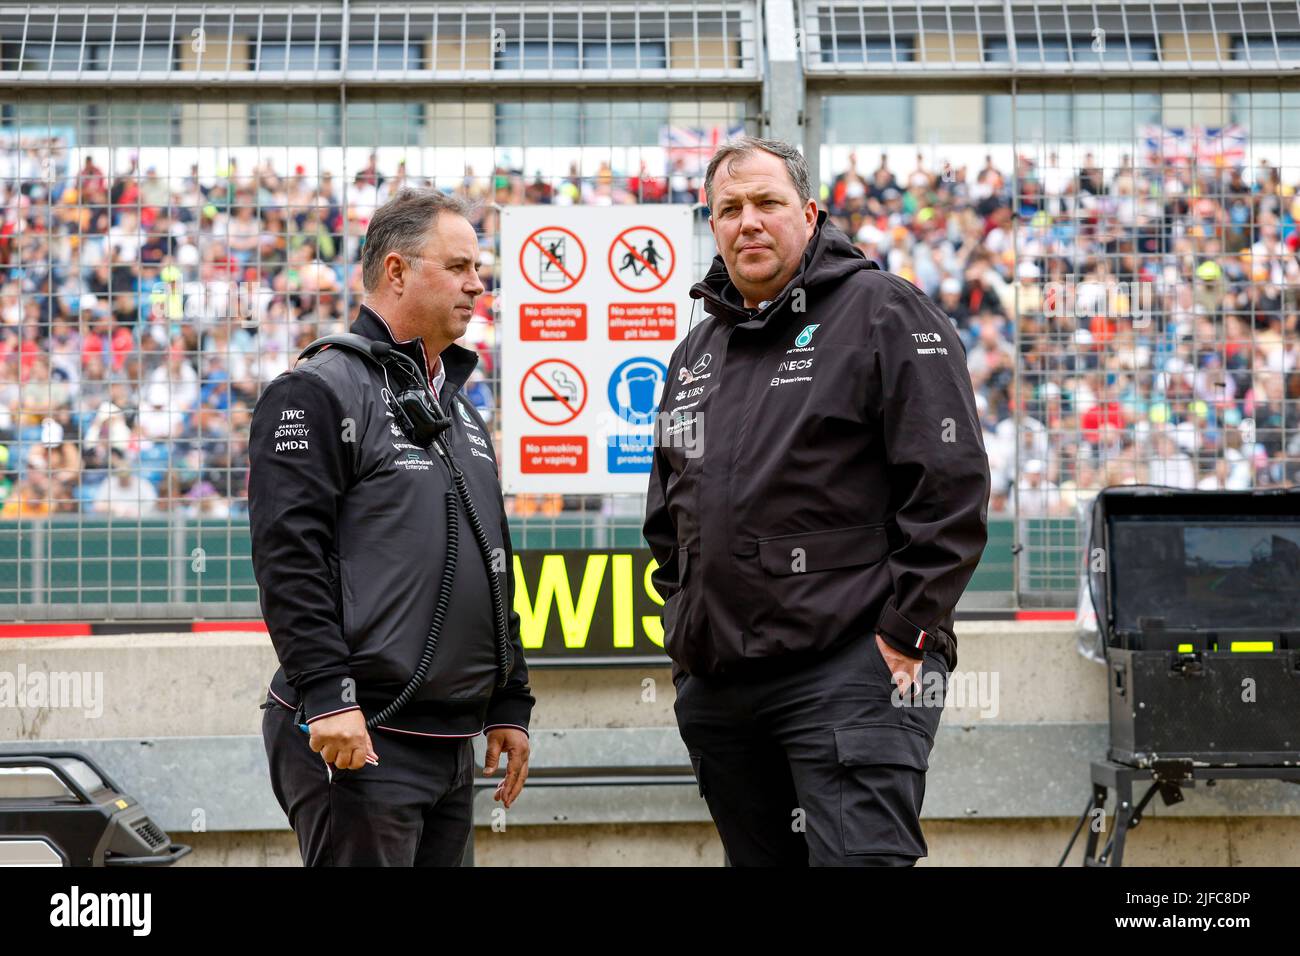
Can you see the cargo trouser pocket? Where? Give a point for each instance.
(697, 763)
(882, 784)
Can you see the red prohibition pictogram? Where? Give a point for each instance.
(552, 259)
(641, 259)
(553, 392)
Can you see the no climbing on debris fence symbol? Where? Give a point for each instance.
(552, 259)
(641, 259)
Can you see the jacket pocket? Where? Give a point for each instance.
(672, 606)
(813, 551)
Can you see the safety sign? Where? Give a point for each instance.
(641, 259)
(552, 260)
(569, 326)
(635, 389)
(553, 392)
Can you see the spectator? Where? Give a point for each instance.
(1037, 497)
(124, 494)
(142, 315)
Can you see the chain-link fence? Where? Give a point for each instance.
(187, 190)
(1100, 196)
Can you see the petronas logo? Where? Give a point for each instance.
(806, 336)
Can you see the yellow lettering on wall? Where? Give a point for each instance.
(621, 576)
(653, 624)
(553, 587)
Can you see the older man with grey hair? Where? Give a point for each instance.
(814, 536)
(380, 545)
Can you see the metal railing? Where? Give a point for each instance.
(328, 44)
(920, 39)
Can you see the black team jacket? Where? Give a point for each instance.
(819, 472)
(349, 529)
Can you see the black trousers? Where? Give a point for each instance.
(413, 809)
(816, 764)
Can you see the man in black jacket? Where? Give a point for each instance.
(817, 504)
(350, 522)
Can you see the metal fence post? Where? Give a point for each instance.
(782, 73)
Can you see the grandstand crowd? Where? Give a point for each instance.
(1157, 307)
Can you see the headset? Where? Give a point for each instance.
(423, 421)
(425, 424)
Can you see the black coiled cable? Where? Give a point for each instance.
(504, 657)
(439, 614)
(504, 661)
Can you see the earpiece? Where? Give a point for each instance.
(419, 417)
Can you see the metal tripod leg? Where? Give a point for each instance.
(1099, 791)
(1127, 817)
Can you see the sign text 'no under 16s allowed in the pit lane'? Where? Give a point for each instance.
(593, 301)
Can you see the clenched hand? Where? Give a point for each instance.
(342, 740)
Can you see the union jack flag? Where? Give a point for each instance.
(1204, 145)
(695, 145)
(1170, 143)
(1222, 145)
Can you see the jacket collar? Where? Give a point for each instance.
(829, 255)
(457, 362)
